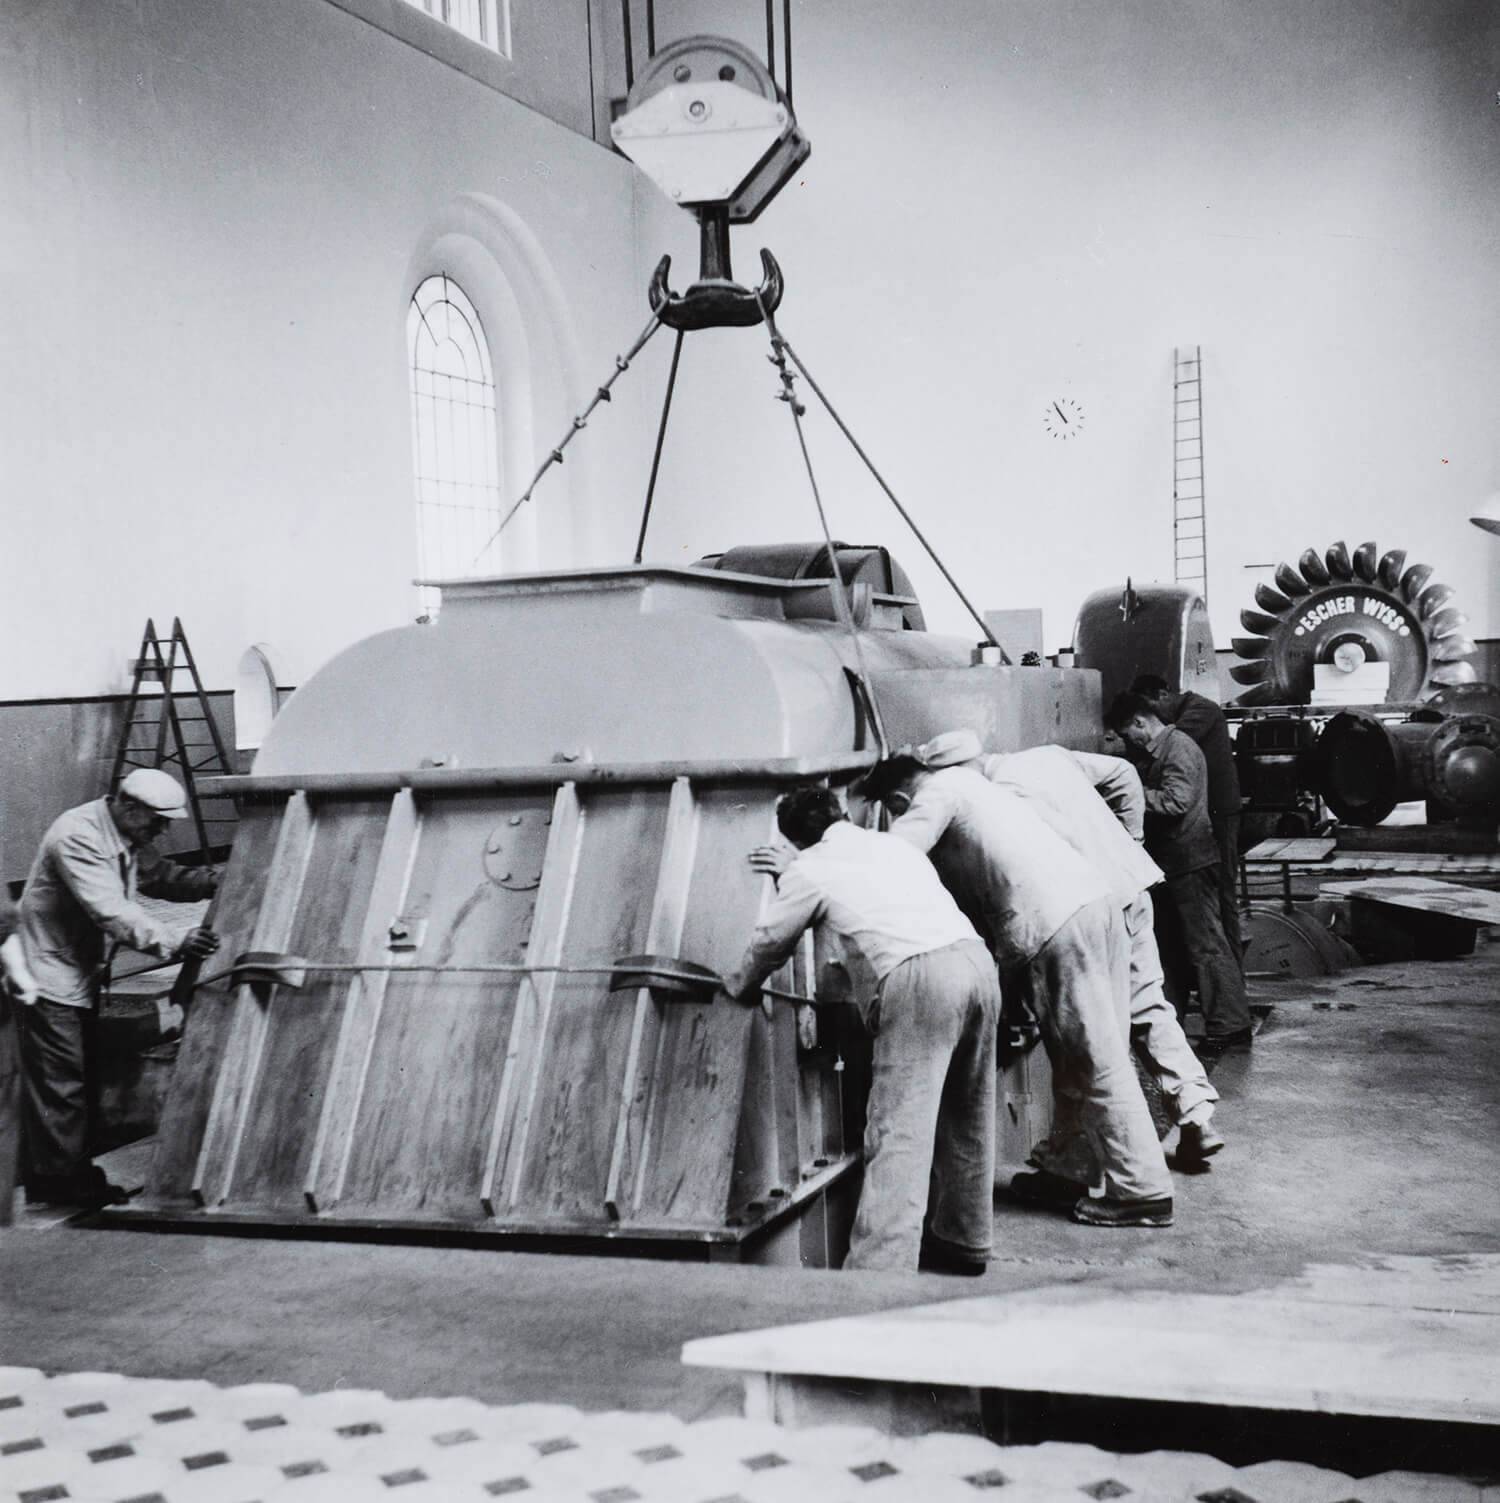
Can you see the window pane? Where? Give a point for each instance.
(486, 21)
(455, 439)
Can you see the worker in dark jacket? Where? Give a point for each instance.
(1180, 839)
(1204, 721)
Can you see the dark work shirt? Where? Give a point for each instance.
(1179, 836)
(1204, 721)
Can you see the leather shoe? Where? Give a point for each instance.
(943, 1257)
(1197, 1141)
(1215, 1044)
(1108, 1212)
(91, 1188)
(1040, 1187)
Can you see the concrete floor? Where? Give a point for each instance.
(1364, 1121)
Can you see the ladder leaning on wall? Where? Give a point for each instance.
(1189, 529)
(173, 728)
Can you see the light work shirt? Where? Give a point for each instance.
(1091, 801)
(879, 898)
(1015, 877)
(80, 902)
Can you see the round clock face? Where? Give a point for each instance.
(1063, 418)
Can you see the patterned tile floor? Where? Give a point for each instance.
(114, 1439)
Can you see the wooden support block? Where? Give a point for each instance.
(1414, 918)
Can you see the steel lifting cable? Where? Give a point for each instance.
(622, 364)
(661, 436)
(984, 626)
(842, 606)
(355, 967)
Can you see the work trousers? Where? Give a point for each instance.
(1195, 949)
(1158, 1035)
(10, 1104)
(930, 1121)
(1154, 1024)
(1078, 987)
(1227, 834)
(55, 1042)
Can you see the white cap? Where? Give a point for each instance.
(949, 749)
(157, 791)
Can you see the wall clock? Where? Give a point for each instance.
(1063, 418)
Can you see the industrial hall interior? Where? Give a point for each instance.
(752, 751)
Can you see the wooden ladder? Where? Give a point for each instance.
(1189, 528)
(174, 729)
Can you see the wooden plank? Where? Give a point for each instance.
(1273, 1350)
(363, 1000)
(239, 1066)
(301, 1027)
(511, 1118)
(649, 1031)
(210, 1015)
(716, 1059)
(1301, 848)
(1422, 895)
(561, 1162)
(419, 1146)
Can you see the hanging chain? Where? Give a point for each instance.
(622, 364)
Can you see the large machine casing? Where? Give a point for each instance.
(463, 826)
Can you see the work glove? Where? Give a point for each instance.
(17, 973)
(196, 944)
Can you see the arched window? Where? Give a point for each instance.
(455, 437)
(255, 697)
(486, 21)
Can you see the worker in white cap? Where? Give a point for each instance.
(1055, 930)
(1097, 804)
(78, 905)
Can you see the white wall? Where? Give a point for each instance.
(1011, 202)
(214, 216)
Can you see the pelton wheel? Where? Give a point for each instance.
(1346, 610)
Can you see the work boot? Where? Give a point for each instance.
(1108, 1212)
(1040, 1187)
(1197, 1142)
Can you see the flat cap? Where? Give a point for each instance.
(949, 749)
(156, 790)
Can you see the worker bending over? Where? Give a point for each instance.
(79, 903)
(1096, 804)
(929, 998)
(1180, 839)
(1057, 936)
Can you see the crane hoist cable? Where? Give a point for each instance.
(843, 427)
(838, 589)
